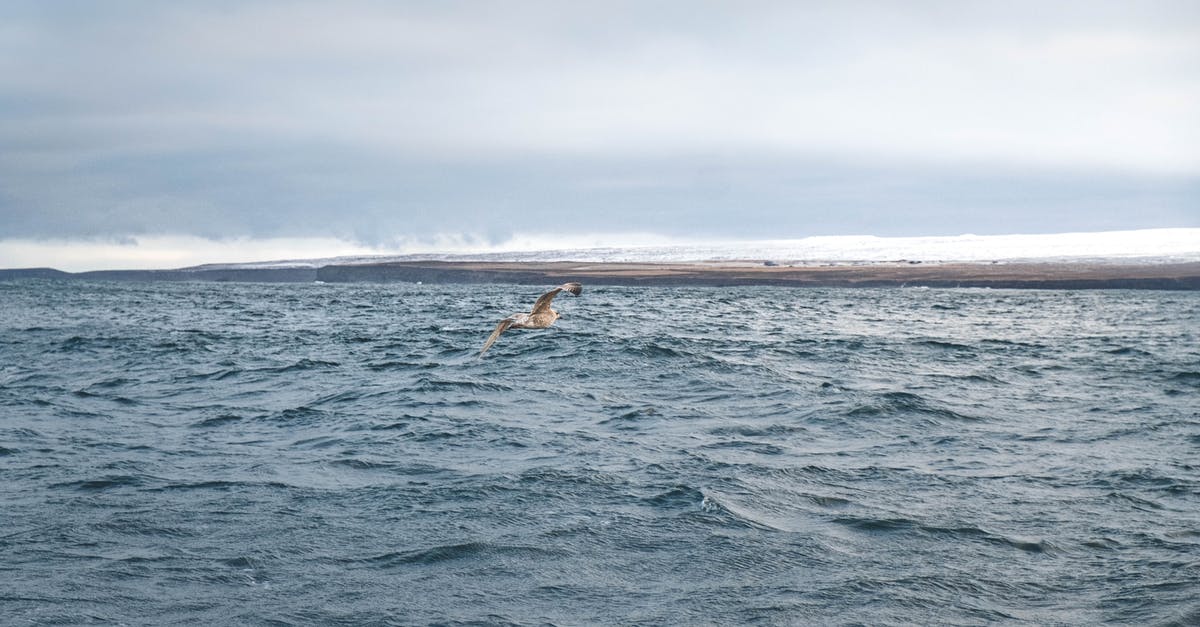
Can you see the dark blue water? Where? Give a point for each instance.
(335, 454)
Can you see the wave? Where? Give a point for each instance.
(905, 404)
(947, 346)
(430, 383)
(102, 483)
(909, 525)
(219, 485)
(463, 551)
(1190, 378)
(217, 421)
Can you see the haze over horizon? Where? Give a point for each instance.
(139, 134)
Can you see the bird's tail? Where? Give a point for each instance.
(500, 328)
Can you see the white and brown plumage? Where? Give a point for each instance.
(540, 317)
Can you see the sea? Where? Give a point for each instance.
(313, 454)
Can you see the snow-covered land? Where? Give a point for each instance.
(1142, 246)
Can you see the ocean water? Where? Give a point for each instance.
(336, 454)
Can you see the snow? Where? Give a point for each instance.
(1141, 246)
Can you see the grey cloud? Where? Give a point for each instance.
(374, 120)
(320, 191)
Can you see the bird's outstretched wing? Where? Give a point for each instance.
(543, 302)
(500, 328)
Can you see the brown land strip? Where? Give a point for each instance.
(1067, 275)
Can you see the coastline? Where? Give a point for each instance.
(1022, 275)
(1106, 274)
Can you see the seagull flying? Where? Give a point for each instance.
(541, 317)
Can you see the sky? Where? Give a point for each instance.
(162, 134)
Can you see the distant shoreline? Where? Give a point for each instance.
(1016, 275)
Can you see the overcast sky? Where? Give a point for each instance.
(359, 126)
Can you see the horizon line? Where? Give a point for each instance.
(176, 253)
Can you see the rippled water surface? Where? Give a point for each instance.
(323, 454)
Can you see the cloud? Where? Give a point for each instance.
(372, 121)
(166, 252)
(922, 81)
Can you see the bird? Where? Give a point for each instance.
(541, 317)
